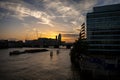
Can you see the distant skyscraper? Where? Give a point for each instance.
(103, 29)
(56, 37)
(59, 37)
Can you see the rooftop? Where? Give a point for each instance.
(107, 8)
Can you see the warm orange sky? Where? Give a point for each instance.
(30, 35)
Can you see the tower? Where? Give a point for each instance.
(56, 37)
(59, 38)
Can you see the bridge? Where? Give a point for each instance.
(46, 43)
(68, 45)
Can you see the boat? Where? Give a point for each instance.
(16, 52)
(35, 50)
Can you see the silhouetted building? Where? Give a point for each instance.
(10, 44)
(31, 43)
(15, 44)
(56, 37)
(3, 44)
(47, 42)
(103, 29)
(59, 38)
(44, 42)
(82, 34)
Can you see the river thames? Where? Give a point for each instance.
(37, 66)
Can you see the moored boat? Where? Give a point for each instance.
(16, 52)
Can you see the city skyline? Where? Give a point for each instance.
(31, 19)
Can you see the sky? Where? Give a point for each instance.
(30, 19)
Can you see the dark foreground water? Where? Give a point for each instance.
(37, 66)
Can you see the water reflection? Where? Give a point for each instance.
(75, 73)
(52, 65)
(51, 54)
(57, 52)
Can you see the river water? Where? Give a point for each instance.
(37, 66)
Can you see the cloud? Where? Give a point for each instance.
(65, 32)
(21, 11)
(70, 35)
(63, 9)
(69, 12)
(107, 2)
(66, 16)
(55, 11)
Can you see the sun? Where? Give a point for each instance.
(52, 35)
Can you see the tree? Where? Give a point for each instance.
(80, 47)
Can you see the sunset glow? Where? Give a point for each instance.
(31, 19)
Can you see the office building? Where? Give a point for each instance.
(103, 29)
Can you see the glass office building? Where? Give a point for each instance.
(103, 29)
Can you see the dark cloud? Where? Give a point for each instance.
(65, 32)
(107, 2)
(70, 35)
(77, 1)
(38, 4)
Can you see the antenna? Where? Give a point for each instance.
(26, 36)
(36, 33)
(40, 34)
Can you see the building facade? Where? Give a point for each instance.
(103, 29)
(44, 42)
(82, 34)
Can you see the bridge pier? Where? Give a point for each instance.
(56, 46)
(68, 46)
